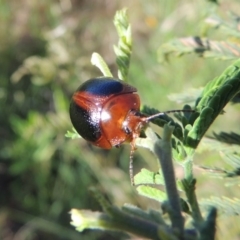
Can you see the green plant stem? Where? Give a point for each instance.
(127, 222)
(188, 172)
(189, 186)
(163, 150)
(196, 213)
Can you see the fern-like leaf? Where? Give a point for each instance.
(223, 50)
(228, 206)
(232, 159)
(163, 119)
(230, 28)
(210, 143)
(215, 96)
(124, 49)
(230, 138)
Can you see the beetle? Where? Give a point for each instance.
(106, 112)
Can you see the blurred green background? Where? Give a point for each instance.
(45, 51)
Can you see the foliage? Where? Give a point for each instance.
(207, 48)
(215, 95)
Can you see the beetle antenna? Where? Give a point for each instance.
(170, 111)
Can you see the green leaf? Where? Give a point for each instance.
(214, 144)
(228, 206)
(124, 49)
(72, 134)
(229, 28)
(152, 193)
(232, 158)
(151, 215)
(223, 50)
(98, 61)
(229, 138)
(148, 177)
(215, 96)
(86, 219)
(162, 120)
